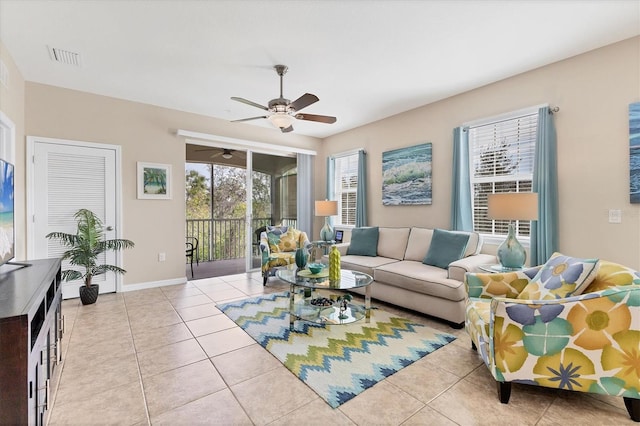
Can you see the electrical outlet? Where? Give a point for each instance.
(162, 257)
(615, 216)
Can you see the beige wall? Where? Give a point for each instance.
(593, 92)
(145, 133)
(12, 105)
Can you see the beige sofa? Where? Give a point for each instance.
(402, 279)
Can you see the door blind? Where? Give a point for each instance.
(73, 182)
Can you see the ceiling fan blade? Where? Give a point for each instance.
(249, 119)
(287, 129)
(313, 117)
(304, 101)
(248, 102)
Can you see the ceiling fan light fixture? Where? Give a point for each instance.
(281, 120)
(226, 154)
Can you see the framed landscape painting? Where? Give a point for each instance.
(154, 181)
(406, 176)
(634, 152)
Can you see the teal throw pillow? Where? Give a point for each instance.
(446, 247)
(364, 241)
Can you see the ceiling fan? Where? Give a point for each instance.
(225, 153)
(283, 112)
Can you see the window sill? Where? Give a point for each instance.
(496, 240)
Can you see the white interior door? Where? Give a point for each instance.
(65, 177)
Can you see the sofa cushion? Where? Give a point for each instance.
(364, 241)
(274, 235)
(474, 245)
(418, 244)
(561, 276)
(446, 247)
(278, 230)
(392, 242)
(612, 274)
(364, 264)
(289, 240)
(418, 277)
(420, 241)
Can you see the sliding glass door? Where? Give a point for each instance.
(271, 200)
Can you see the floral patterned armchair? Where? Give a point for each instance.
(588, 342)
(278, 245)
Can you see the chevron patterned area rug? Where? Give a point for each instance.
(337, 361)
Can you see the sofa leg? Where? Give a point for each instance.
(456, 325)
(633, 407)
(504, 391)
(474, 347)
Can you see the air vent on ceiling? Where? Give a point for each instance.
(64, 56)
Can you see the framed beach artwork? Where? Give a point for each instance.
(154, 181)
(406, 176)
(634, 152)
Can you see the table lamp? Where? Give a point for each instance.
(513, 206)
(326, 208)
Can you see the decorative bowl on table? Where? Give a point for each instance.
(316, 268)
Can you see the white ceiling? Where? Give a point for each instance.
(364, 59)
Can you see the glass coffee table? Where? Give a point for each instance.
(306, 303)
(497, 268)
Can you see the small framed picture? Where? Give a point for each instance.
(339, 234)
(154, 181)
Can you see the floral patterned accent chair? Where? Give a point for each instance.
(570, 324)
(278, 245)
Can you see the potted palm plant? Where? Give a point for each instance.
(84, 248)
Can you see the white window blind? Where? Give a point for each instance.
(346, 183)
(502, 158)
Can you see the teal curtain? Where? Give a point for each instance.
(461, 211)
(361, 190)
(331, 165)
(544, 231)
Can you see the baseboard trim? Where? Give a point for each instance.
(153, 284)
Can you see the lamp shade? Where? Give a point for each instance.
(282, 120)
(513, 206)
(326, 208)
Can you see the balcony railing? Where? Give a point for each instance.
(220, 239)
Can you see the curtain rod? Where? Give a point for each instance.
(508, 115)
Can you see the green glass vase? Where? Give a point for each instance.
(302, 255)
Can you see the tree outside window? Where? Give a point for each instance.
(224, 204)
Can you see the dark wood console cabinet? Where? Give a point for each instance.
(31, 327)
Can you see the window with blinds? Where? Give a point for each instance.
(502, 157)
(346, 183)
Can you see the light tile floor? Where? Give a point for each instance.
(169, 356)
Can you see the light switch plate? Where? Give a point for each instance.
(615, 216)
